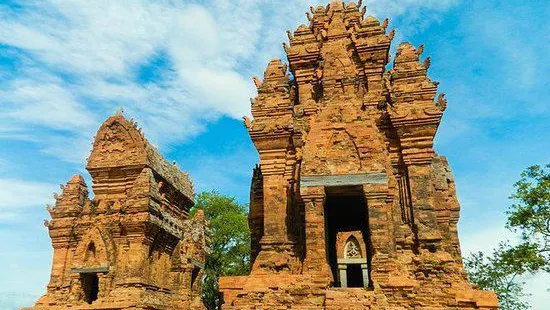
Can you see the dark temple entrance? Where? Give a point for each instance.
(354, 275)
(90, 286)
(346, 211)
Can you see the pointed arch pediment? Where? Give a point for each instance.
(351, 245)
(117, 143)
(94, 249)
(352, 248)
(332, 151)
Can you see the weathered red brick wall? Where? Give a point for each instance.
(336, 121)
(134, 235)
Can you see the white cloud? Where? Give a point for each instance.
(538, 286)
(15, 300)
(411, 8)
(503, 36)
(226, 173)
(45, 104)
(81, 59)
(16, 195)
(485, 239)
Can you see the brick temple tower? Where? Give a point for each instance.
(351, 207)
(132, 246)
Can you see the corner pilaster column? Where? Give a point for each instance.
(365, 273)
(273, 162)
(416, 124)
(424, 214)
(342, 274)
(136, 256)
(275, 208)
(381, 231)
(277, 253)
(59, 270)
(316, 261)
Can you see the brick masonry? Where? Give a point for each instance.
(335, 122)
(132, 246)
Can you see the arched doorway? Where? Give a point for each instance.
(90, 286)
(348, 241)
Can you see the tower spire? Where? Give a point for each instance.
(119, 111)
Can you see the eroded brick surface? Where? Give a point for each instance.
(346, 151)
(132, 245)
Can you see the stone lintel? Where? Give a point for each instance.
(344, 180)
(352, 261)
(90, 270)
(197, 264)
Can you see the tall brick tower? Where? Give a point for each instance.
(132, 246)
(351, 207)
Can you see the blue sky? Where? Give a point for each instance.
(183, 70)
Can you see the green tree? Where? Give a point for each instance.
(230, 242)
(492, 273)
(529, 216)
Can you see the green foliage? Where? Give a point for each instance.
(494, 274)
(230, 242)
(530, 217)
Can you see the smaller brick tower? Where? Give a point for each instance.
(132, 246)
